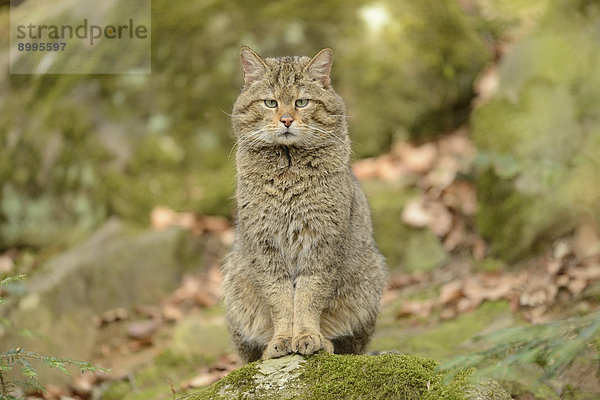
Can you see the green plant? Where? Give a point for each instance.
(21, 359)
(552, 347)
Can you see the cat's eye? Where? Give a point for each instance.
(301, 103)
(271, 103)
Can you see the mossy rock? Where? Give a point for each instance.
(332, 377)
(114, 268)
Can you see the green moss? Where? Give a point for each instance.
(200, 336)
(241, 379)
(331, 377)
(344, 377)
(441, 341)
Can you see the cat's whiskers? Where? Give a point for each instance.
(339, 115)
(252, 138)
(316, 129)
(231, 115)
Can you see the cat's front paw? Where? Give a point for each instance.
(279, 346)
(310, 342)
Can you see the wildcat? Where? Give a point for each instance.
(304, 273)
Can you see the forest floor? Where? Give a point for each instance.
(181, 342)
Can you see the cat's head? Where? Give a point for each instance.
(288, 101)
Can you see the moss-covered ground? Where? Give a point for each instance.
(337, 377)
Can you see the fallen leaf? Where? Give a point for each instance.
(172, 313)
(6, 264)
(204, 299)
(415, 213)
(554, 267)
(461, 196)
(142, 329)
(365, 169)
(440, 219)
(456, 236)
(226, 237)
(590, 272)
(450, 292)
(416, 159)
(577, 286)
(110, 316)
(586, 242)
(443, 174)
(205, 379)
(561, 249)
(214, 223)
(417, 308)
(486, 85)
(162, 217)
(479, 249)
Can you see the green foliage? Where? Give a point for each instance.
(21, 360)
(75, 149)
(552, 347)
(538, 135)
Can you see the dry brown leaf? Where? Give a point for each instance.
(448, 313)
(141, 330)
(440, 219)
(417, 308)
(533, 298)
(204, 379)
(6, 264)
(109, 316)
(456, 236)
(561, 249)
(226, 237)
(187, 291)
(466, 304)
(162, 217)
(479, 249)
(366, 168)
(419, 213)
(486, 85)
(590, 272)
(443, 174)
(586, 242)
(214, 223)
(416, 159)
(204, 299)
(554, 267)
(172, 313)
(461, 196)
(576, 286)
(562, 280)
(450, 292)
(415, 213)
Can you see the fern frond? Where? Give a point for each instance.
(553, 347)
(12, 279)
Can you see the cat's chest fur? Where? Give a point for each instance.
(290, 201)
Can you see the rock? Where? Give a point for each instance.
(347, 377)
(113, 270)
(201, 335)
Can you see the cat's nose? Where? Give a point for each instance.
(286, 120)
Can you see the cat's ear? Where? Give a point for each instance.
(320, 66)
(254, 67)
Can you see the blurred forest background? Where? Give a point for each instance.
(476, 136)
